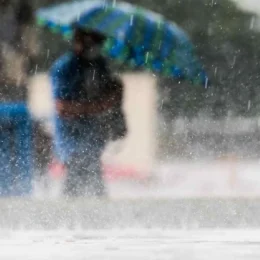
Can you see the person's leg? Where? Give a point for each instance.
(65, 144)
(85, 174)
(74, 185)
(93, 177)
(84, 169)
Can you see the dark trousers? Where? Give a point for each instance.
(82, 145)
(84, 175)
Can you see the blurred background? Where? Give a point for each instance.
(185, 181)
(195, 126)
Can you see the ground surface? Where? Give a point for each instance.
(131, 244)
(189, 211)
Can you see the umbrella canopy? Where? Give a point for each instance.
(135, 36)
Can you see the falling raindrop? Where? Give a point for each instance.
(234, 61)
(252, 23)
(206, 83)
(147, 57)
(114, 3)
(36, 69)
(94, 74)
(131, 20)
(216, 71)
(249, 105)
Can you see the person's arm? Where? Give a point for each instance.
(79, 109)
(60, 84)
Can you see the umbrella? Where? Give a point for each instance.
(135, 36)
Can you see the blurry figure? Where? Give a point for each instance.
(18, 58)
(88, 110)
(18, 49)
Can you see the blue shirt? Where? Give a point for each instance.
(74, 80)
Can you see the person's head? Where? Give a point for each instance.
(87, 44)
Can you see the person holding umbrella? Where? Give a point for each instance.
(135, 37)
(88, 102)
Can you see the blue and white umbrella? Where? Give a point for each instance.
(135, 36)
